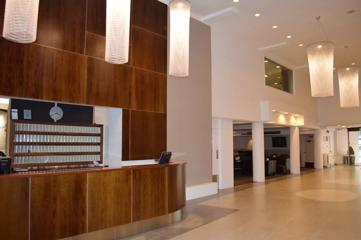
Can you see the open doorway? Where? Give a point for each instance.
(242, 153)
(354, 141)
(276, 152)
(307, 151)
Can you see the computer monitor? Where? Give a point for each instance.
(165, 157)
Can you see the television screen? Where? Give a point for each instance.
(279, 142)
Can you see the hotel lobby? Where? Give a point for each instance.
(180, 119)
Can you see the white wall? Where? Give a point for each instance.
(189, 111)
(331, 114)
(112, 121)
(341, 144)
(224, 145)
(238, 83)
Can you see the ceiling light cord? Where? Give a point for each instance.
(322, 27)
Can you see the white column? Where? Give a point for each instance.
(295, 152)
(258, 152)
(225, 154)
(318, 149)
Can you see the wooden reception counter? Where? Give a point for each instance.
(60, 204)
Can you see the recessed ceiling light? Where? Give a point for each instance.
(265, 61)
(235, 1)
(257, 14)
(319, 46)
(274, 26)
(276, 83)
(278, 67)
(300, 45)
(353, 64)
(289, 36)
(265, 75)
(347, 69)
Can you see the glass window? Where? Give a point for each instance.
(278, 76)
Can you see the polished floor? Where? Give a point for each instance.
(314, 206)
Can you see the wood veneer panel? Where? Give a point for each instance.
(149, 50)
(14, 204)
(61, 24)
(149, 193)
(126, 135)
(147, 135)
(2, 11)
(64, 212)
(96, 12)
(151, 15)
(176, 187)
(95, 45)
(149, 91)
(109, 199)
(11, 68)
(63, 74)
(33, 71)
(108, 84)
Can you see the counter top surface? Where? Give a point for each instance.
(86, 170)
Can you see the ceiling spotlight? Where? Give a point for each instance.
(266, 61)
(276, 83)
(347, 69)
(319, 46)
(257, 14)
(289, 36)
(353, 64)
(235, 1)
(300, 45)
(278, 67)
(274, 26)
(266, 75)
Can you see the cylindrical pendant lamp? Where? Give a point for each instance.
(349, 87)
(320, 61)
(180, 11)
(117, 31)
(21, 20)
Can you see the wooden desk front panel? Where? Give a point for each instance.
(58, 206)
(14, 208)
(109, 199)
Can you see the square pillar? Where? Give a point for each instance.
(295, 160)
(258, 152)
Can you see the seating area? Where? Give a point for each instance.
(275, 164)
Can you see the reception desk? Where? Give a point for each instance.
(61, 204)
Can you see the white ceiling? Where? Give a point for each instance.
(294, 17)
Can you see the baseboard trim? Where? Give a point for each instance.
(202, 190)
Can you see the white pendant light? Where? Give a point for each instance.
(117, 31)
(180, 11)
(349, 87)
(320, 61)
(21, 20)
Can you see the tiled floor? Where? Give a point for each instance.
(314, 206)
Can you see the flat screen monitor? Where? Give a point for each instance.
(279, 142)
(165, 157)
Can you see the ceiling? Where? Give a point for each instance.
(293, 17)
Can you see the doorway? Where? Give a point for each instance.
(307, 151)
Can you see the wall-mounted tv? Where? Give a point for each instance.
(279, 142)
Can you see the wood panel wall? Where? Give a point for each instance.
(67, 64)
